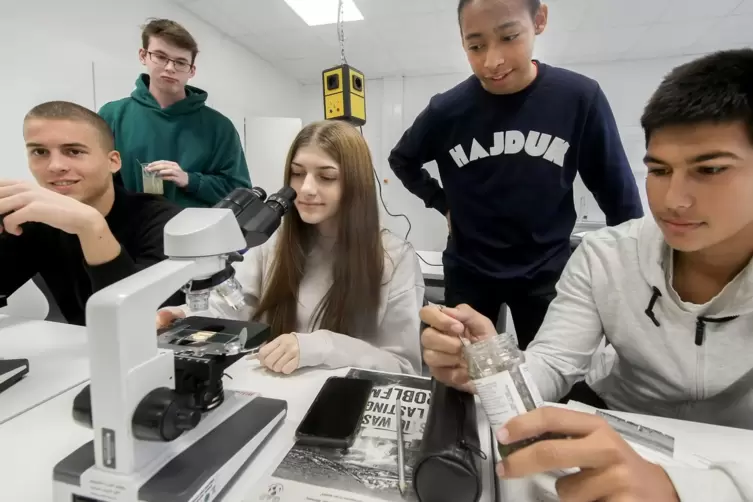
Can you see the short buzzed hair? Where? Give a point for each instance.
(65, 110)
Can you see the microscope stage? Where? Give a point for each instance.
(197, 466)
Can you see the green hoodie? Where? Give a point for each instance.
(202, 141)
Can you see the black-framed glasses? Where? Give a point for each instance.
(162, 60)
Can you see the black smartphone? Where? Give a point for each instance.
(335, 415)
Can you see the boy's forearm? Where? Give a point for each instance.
(98, 244)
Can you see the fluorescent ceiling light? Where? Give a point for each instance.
(319, 12)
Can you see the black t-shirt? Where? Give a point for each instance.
(136, 220)
(507, 165)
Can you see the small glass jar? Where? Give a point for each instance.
(498, 370)
(232, 292)
(198, 301)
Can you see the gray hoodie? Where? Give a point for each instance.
(673, 359)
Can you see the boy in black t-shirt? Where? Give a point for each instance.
(509, 142)
(75, 227)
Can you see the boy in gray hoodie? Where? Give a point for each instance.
(672, 294)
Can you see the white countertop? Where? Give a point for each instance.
(34, 441)
(27, 473)
(43, 432)
(58, 361)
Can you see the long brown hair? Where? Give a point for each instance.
(351, 304)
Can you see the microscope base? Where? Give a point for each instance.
(195, 467)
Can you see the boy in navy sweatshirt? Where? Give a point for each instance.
(508, 142)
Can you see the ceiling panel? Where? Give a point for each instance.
(664, 40)
(617, 40)
(390, 9)
(218, 18)
(683, 10)
(428, 60)
(436, 28)
(356, 33)
(296, 44)
(261, 16)
(421, 37)
(745, 8)
(611, 13)
(726, 33)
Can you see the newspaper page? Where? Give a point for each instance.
(367, 472)
(653, 445)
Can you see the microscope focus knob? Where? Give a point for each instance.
(186, 420)
(163, 416)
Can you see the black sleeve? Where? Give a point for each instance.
(409, 156)
(18, 259)
(604, 166)
(146, 250)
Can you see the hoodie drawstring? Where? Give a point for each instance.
(650, 309)
(700, 323)
(700, 326)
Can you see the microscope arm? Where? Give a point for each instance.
(125, 362)
(148, 433)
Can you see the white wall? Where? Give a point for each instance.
(393, 104)
(87, 51)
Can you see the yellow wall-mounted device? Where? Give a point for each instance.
(344, 94)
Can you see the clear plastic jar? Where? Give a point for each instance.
(498, 370)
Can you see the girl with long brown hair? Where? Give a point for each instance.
(335, 288)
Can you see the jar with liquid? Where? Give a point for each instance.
(498, 370)
(152, 182)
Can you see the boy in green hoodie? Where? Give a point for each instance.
(165, 128)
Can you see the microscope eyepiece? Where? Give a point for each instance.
(282, 200)
(241, 198)
(260, 220)
(259, 192)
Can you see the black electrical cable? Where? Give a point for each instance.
(384, 205)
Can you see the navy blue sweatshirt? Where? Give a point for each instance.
(507, 164)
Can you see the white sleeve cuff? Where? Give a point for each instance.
(312, 349)
(700, 485)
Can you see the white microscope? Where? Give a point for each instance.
(152, 442)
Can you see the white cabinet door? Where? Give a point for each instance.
(268, 140)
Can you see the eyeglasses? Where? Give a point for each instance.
(162, 60)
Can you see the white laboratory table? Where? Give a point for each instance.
(58, 361)
(36, 440)
(27, 474)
